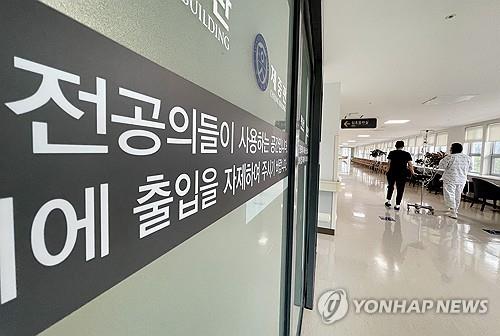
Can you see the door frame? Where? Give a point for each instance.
(311, 13)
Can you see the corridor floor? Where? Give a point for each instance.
(417, 256)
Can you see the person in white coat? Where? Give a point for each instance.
(456, 166)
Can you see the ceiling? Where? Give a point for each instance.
(390, 56)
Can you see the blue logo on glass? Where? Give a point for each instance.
(261, 62)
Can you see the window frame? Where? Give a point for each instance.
(494, 156)
(475, 155)
(441, 146)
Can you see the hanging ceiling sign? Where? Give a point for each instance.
(108, 162)
(358, 123)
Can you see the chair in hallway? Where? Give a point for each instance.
(485, 190)
(416, 178)
(375, 166)
(378, 167)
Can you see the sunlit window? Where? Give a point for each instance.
(474, 146)
(494, 140)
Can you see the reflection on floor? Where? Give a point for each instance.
(416, 256)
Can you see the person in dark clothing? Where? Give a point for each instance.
(400, 166)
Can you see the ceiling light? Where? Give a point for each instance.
(396, 122)
(363, 136)
(449, 99)
(359, 214)
(351, 140)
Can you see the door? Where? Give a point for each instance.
(302, 180)
(88, 245)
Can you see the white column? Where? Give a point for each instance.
(330, 127)
(328, 156)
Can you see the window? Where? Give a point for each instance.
(474, 146)
(431, 140)
(411, 142)
(410, 146)
(494, 139)
(419, 149)
(474, 151)
(442, 142)
(495, 159)
(474, 133)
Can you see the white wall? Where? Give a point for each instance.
(456, 134)
(330, 127)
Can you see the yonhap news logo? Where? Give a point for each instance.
(333, 305)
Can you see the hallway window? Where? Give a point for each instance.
(495, 159)
(412, 147)
(494, 140)
(431, 140)
(474, 146)
(475, 154)
(420, 147)
(442, 142)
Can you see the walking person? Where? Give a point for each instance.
(456, 167)
(400, 166)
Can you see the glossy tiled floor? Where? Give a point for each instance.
(417, 256)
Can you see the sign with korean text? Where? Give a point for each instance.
(213, 19)
(108, 161)
(358, 123)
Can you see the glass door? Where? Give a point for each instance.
(184, 238)
(301, 163)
